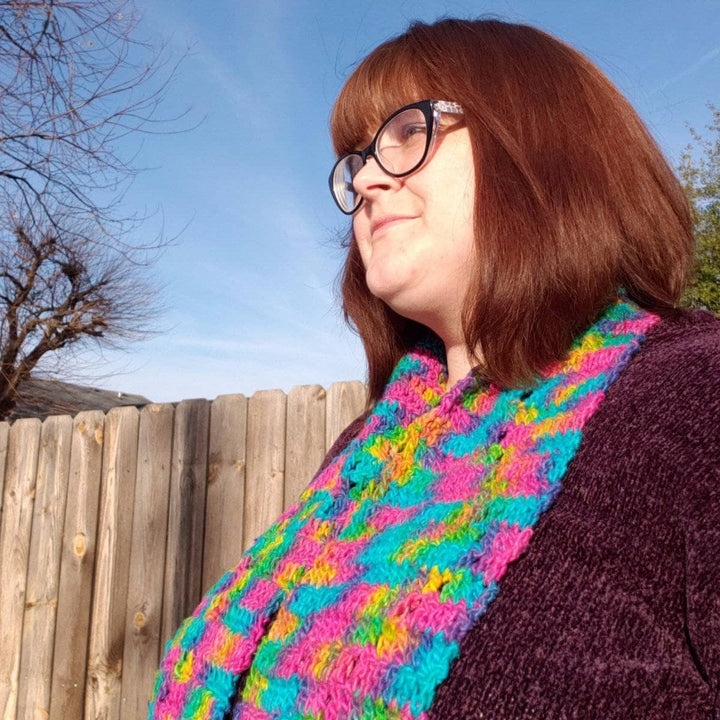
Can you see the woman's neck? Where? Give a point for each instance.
(459, 362)
(448, 328)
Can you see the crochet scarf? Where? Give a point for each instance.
(353, 605)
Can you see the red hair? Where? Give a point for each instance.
(574, 198)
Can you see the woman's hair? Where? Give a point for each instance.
(574, 198)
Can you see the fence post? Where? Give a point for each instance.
(107, 624)
(77, 565)
(265, 462)
(345, 401)
(141, 652)
(186, 514)
(4, 437)
(304, 439)
(225, 507)
(44, 568)
(19, 497)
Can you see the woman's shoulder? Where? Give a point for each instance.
(664, 408)
(695, 331)
(678, 366)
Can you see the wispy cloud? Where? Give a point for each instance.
(268, 348)
(708, 57)
(208, 368)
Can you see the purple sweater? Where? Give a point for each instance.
(614, 611)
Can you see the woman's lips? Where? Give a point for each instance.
(378, 226)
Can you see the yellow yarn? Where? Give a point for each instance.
(183, 671)
(435, 579)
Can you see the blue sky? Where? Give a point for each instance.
(248, 284)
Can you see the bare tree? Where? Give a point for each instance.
(75, 82)
(58, 291)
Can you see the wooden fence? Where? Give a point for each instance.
(112, 526)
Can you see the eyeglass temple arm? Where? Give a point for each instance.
(447, 107)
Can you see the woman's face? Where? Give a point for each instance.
(415, 234)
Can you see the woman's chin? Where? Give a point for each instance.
(399, 302)
(383, 287)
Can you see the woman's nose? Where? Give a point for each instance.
(371, 179)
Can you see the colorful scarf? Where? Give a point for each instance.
(353, 605)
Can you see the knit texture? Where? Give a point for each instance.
(354, 604)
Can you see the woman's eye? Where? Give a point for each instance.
(410, 130)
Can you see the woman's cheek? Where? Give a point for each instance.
(377, 277)
(362, 238)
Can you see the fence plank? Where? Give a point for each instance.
(44, 568)
(345, 401)
(264, 481)
(76, 568)
(226, 487)
(141, 653)
(186, 514)
(14, 547)
(107, 625)
(4, 436)
(304, 438)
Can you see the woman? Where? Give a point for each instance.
(525, 523)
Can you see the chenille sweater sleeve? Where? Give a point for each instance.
(702, 580)
(697, 432)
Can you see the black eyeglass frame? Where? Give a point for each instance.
(431, 110)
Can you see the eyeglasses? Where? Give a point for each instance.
(400, 147)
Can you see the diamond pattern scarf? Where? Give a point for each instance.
(353, 605)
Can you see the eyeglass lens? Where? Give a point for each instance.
(400, 148)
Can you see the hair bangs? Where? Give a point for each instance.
(393, 75)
